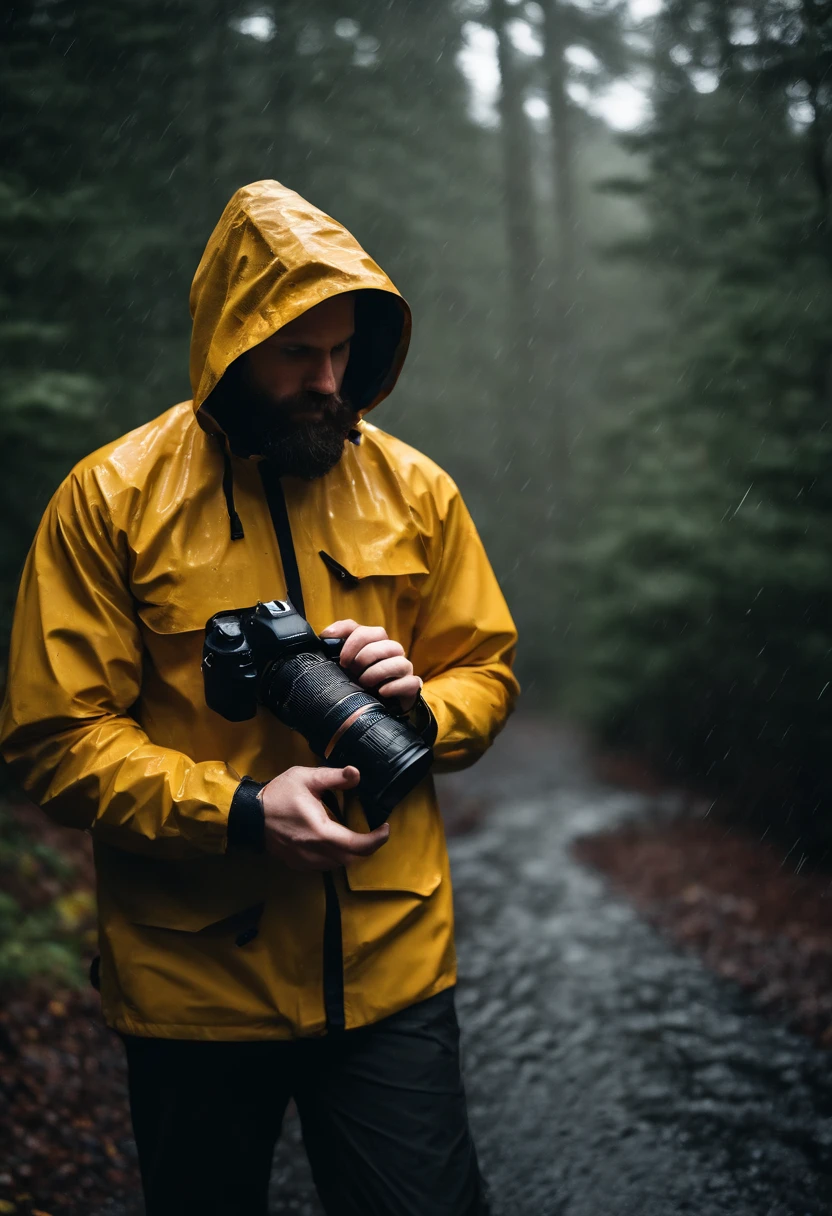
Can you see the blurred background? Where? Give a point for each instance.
(612, 220)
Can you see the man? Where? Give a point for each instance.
(256, 944)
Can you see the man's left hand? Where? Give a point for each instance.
(376, 662)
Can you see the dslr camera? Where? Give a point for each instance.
(270, 655)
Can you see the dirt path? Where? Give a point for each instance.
(606, 1072)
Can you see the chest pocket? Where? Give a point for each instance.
(376, 584)
(196, 597)
(370, 557)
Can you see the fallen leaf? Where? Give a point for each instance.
(75, 907)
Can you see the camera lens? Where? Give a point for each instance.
(346, 725)
(390, 758)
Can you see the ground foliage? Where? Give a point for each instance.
(47, 909)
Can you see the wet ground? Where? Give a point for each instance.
(607, 1072)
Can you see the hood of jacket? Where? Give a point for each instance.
(271, 257)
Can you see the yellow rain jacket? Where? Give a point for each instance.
(105, 722)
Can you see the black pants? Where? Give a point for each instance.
(382, 1111)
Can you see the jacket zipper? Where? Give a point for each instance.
(332, 946)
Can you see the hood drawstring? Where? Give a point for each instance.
(234, 521)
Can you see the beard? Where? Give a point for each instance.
(257, 424)
(311, 448)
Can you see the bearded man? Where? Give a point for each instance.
(258, 943)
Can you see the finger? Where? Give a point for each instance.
(407, 690)
(375, 652)
(339, 629)
(381, 673)
(349, 844)
(324, 778)
(358, 639)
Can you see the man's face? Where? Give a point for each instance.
(282, 399)
(308, 357)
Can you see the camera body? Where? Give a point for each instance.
(270, 655)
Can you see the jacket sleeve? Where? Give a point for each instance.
(74, 673)
(464, 643)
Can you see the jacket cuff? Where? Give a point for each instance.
(246, 821)
(422, 721)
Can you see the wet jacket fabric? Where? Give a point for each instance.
(105, 722)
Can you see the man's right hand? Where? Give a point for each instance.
(298, 828)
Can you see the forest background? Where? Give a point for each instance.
(622, 336)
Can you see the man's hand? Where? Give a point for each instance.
(298, 829)
(376, 662)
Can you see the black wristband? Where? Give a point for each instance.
(246, 821)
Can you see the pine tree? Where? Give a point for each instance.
(705, 585)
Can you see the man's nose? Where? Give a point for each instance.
(322, 377)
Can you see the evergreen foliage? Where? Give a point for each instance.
(704, 584)
(46, 391)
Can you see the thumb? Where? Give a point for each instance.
(324, 778)
(357, 844)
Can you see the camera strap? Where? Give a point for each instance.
(333, 949)
(276, 500)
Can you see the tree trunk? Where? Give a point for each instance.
(531, 439)
(214, 93)
(818, 150)
(283, 90)
(564, 294)
(524, 260)
(721, 14)
(562, 146)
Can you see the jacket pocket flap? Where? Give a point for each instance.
(363, 876)
(412, 860)
(173, 618)
(351, 560)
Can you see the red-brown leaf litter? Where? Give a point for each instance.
(743, 903)
(66, 1145)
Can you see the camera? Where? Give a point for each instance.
(270, 655)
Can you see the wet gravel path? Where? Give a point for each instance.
(607, 1073)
